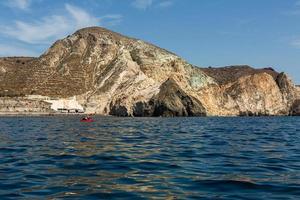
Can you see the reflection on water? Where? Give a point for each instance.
(157, 158)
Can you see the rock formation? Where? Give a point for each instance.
(22, 105)
(111, 74)
(171, 101)
(295, 110)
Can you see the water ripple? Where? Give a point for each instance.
(149, 158)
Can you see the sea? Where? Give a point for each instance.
(59, 157)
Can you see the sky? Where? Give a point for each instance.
(259, 33)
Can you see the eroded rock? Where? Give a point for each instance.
(172, 101)
(109, 73)
(295, 111)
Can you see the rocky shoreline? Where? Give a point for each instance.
(39, 114)
(103, 72)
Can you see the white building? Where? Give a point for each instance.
(69, 105)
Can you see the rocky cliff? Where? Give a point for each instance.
(22, 105)
(111, 74)
(295, 110)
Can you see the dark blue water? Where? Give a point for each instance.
(149, 158)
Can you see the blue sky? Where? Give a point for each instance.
(260, 33)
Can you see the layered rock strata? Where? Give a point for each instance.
(111, 74)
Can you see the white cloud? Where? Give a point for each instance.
(145, 4)
(112, 19)
(10, 50)
(19, 4)
(142, 4)
(81, 17)
(50, 28)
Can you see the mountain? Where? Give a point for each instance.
(112, 74)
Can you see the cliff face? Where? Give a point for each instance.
(22, 105)
(113, 74)
(295, 110)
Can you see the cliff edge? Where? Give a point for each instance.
(111, 74)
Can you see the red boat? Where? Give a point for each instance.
(87, 119)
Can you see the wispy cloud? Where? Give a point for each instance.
(81, 17)
(51, 28)
(19, 4)
(145, 4)
(293, 11)
(295, 43)
(142, 4)
(15, 50)
(165, 4)
(112, 19)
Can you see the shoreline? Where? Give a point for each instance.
(4, 114)
(49, 114)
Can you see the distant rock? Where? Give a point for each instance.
(111, 74)
(224, 75)
(258, 95)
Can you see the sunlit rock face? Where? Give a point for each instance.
(22, 105)
(295, 110)
(111, 74)
(251, 95)
(298, 91)
(257, 94)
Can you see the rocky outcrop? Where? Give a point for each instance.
(287, 88)
(250, 95)
(20, 104)
(111, 74)
(171, 101)
(295, 110)
(229, 74)
(257, 95)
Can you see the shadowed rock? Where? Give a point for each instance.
(172, 101)
(112, 74)
(120, 111)
(295, 111)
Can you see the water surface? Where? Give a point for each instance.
(149, 158)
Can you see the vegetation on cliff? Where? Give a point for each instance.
(113, 74)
